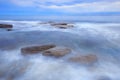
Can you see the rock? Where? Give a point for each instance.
(84, 59)
(62, 25)
(57, 52)
(8, 27)
(36, 49)
(54, 24)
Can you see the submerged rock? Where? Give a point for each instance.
(12, 71)
(57, 51)
(84, 59)
(8, 27)
(36, 49)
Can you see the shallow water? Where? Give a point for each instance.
(101, 39)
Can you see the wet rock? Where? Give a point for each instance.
(62, 25)
(53, 24)
(8, 27)
(57, 52)
(36, 49)
(84, 59)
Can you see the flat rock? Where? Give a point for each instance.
(84, 59)
(36, 49)
(53, 24)
(62, 25)
(8, 27)
(57, 51)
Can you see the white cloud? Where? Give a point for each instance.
(36, 2)
(87, 7)
(61, 6)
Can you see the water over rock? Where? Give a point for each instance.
(57, 51)
(11, 71)
(84, 59)
(36, 49)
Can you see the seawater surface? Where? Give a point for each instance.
(101, 39)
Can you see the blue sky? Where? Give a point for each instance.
(59, 7)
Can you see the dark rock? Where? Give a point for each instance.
(54, 24)
(9, 29)
(62, 25)
(6, 26)
(84, 59)
(57, 51)
(36, 49)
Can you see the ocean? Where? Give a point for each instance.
(86, 37)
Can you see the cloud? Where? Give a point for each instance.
(87, 7)
(72, 6)
(40, 2)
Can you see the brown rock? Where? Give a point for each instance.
(57, 52)
(86, 59)
(62, 25)
(6, 26)
(36, 49)
(54, 24)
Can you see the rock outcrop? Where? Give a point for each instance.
(36, 49)
(8, 27)
(84, 59)
(57, 52)
(62, 25)
(47, 50)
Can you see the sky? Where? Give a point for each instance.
(59, 7)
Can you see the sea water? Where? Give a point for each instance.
(101, 39)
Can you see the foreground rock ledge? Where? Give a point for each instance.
(57, 52)
(84, 59)
(36, 49)
(47, 50)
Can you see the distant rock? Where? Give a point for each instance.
(8, 27)
(62, 25)
(57, 51)
(84, 59)
(53, 24)
(36, 49)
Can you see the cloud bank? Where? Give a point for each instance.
(72, 6)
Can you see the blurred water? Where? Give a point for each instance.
(102, 39)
